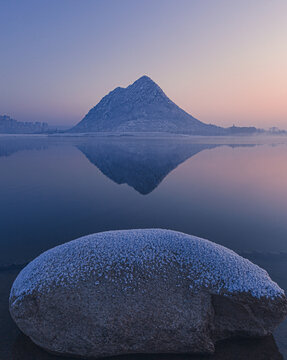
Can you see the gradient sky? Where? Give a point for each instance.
(224, 61)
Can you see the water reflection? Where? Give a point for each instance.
(10, 145)
(236, 349)
(140, 164)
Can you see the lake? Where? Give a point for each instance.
(232, 191)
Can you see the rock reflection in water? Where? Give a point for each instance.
(236, 349)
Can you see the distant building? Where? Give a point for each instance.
(11, 126)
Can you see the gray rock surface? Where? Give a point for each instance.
(142, 291)
(263, 348)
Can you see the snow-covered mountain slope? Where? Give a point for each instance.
(142, 107)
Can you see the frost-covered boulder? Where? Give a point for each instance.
(142, 291)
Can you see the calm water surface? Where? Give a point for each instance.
(232, 191)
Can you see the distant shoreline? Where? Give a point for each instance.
(204, 139)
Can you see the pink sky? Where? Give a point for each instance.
(225, 62)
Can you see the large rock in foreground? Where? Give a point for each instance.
(142, 291)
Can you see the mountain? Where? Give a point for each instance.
(143, 107)
(11, 126)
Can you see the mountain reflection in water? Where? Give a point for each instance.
(140, 163)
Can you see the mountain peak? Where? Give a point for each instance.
(140, 107)
(144, 79)
(144, 82)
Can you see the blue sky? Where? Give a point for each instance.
(223, 61)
